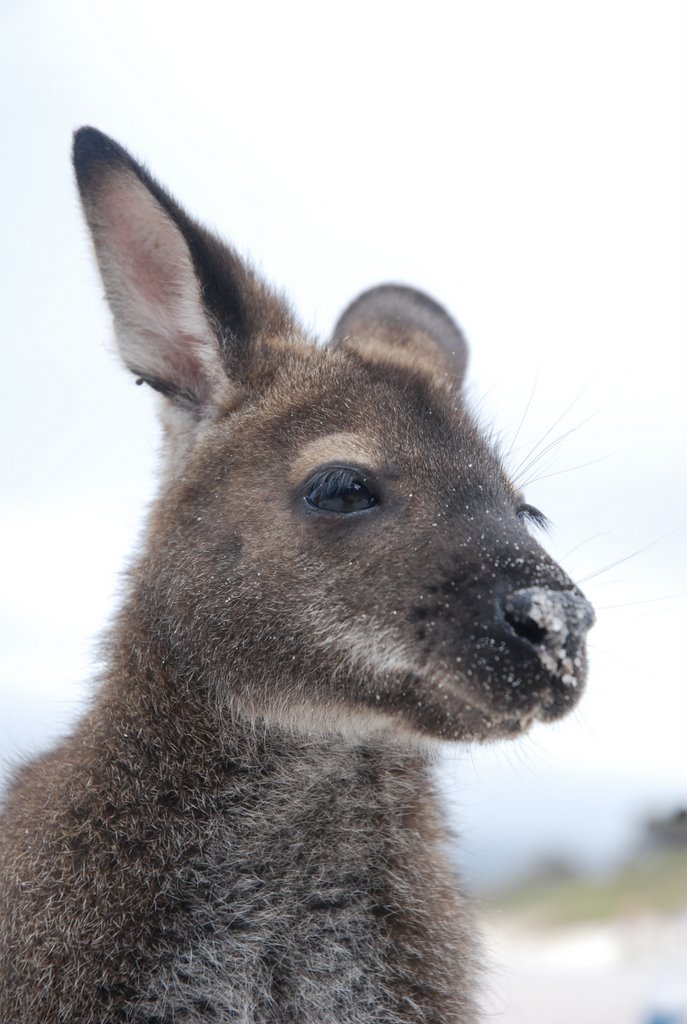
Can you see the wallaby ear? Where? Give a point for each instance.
(396, 323)
(187, 310)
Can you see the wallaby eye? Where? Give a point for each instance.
(341, 490)
(530, 514)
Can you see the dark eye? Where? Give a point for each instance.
(530, 514)
(341, 490)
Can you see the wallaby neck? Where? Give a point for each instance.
(150, 704)
(308, 869)
(259, 867)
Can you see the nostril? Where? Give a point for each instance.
(552, 625)
(547, 619)
(526, 628)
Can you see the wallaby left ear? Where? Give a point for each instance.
(395, 323)
(188, 311)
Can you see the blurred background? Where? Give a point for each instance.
(525, 164)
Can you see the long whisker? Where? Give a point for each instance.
(594, 536)
(646, 600)
(535, 459)
(618, 581)
(552, 427)
(619, 561)
(570, 469)
(527, 407)
(520, 472)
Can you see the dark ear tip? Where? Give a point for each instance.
(400, 297)
(93, 149)
(397, 302)
(405, 313)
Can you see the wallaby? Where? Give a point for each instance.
(336, 577)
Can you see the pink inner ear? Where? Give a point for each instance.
(162, 328)
(183, 367)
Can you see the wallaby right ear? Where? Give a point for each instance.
(393, 322)
(187, 310)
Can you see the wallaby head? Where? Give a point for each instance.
(336, 544)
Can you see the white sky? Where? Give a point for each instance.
(523, 162)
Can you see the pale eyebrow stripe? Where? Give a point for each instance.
(341, 447)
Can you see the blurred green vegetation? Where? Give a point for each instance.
(656, 882)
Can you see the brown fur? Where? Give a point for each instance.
(243, 827)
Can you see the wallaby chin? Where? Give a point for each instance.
(337, 575)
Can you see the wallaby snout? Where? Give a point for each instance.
(500, 628)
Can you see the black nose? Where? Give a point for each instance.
(552, 622)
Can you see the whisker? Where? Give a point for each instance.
(531, 750)
(552, 427)
(521, 470)
(527, 467)
(546, 466)
(581, 719)
(611, 655)
(527, 407)
(594, 536)
(645, 600)
(617, 581)
(570, 469)
(619, 561)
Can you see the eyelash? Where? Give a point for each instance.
(341, 491)
(530, 514)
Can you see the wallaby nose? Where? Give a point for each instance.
(553, 622)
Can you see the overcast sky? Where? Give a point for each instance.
(522, 162)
